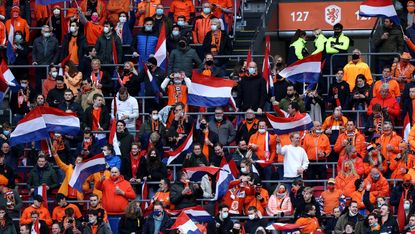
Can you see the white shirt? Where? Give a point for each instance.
(128, 107)
(294, 157)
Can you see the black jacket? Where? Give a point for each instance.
(343, 90)
(125, 139)
(182, 201)
(156, 172)
(55, 97)
(243, 133)
(195, 160)
(396, 195)
(80, 40)
(158, 75)
(8, 173)
(128, 225)
(252, 225)
(104, 49)
(165, 224)
(49, 56)
(299, 208)
(390, 226)
(103, 228)
(104, 119)
(251, 93)
(126, 168)
(43, 227)
(73, 106)
(225, 226)
(45, 175)
(133, 84)
(225, 45)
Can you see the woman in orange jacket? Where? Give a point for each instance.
(351, 155)
(403, 162)
(346, 178)
(374, 159)
(358, 194)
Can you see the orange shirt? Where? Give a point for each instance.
(149, 9)
(43, 215)
(96, 115)
(101, 9)
(401, 70)
(176, 94)
(331, 200)
(313, 144)
(20, 24)
(40, 12)
(2, 34)
(309, 224)
(92, 32)
(59, 212)
(259, 140)
(202, 26)
(73, 50)
(182, 7)
(165, 198)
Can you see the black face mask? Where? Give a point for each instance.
(337, 34)
(209, 62)
(182, 44)
(278, 64)
(290, 95)
(202, 126)
(126, 71)
(235, 231)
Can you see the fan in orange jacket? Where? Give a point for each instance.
(331, 197)
(353, 156)
(316, 144)
(403, 162)
(374, 159)
(358, 194)
(386, 101)
(346, 178)
(202, 24)
(263, 144)
(308, 222)
(257, 197)
(115, 192)
(58, 213)
(379, 185)
(115, 7)
(402, 71)
(19, 23)
(182, 8)
(394, 89)
(350, 137)
(86, 7)
(236, 194)
(146, 8)
(389, 142)
(44, 214)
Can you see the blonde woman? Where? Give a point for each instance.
(346, 178)
(279, 202)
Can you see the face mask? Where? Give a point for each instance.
(123, 19)
(243, 169)
(251, 70)
(159, 11)
(148, 28)
(157, 212)
(261, 130)
(177, 82)
(209, 62)
(105, 153)
(23, 85)
(46, 34)
(330, 187)
(182, 44)
(219, 118)
(180, 23)
(56, 12)
(234, 231)
(251, 216)
(115, 178)
(72, 29)
(224, 215)
(106, 30)
(213, 27)
(175, 33)
(126, 71)
(54, 74)
(91, 221)
(202, 126)
(337, 34)
(278, 64)
(376, 177)
(347, 168)
(18, 38)
(406, 206)
(206, 10)
(5, 132)
(94, 18)
(290, 95)
(318, 131)
(339, 79)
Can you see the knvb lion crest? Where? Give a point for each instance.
(333, 14)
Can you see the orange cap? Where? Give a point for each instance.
(3, 180)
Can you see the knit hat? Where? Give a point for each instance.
(3, 180)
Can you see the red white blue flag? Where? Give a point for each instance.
(379, 8)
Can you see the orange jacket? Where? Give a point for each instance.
(202, 26)
(149, 9)
(388, 103)
(94, 178)
(331, 123)
(357, 163)
(351, 70)
(235, 197)
(259, 140)
(411, 138)
(394, 89)
(113, 203)
(40, 12)
(93, 32)
(313, 144)
(175, 96)
(309, 224)
(43, 215)
(59, 212)
(217, 12)
(2, 34)
(68, 169)
(251, 200)
(182, 7)
(380, 188)
(278, 205)
(331, 200)
(399, 70)
(20, 24)
(394, 140)
(165, 198)
(115, 7)
(345, 183)
(358, 141)
(358, 197)
(400, 167)
(101, 10)
(48, 84)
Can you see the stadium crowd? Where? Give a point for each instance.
(352, 172)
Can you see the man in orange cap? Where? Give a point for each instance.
(402, 70)
(9, 198)
(19, 23)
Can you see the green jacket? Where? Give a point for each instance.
(320, 43)
(337, 45)
(46, 175)
(285, 102)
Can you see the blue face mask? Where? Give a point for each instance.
(148, 28)
(159, 11)
(175, 33)
(180, 23)
(251, 70)
(206, 10)
(157, 212)
(6, 133)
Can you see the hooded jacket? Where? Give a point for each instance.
(182, 59)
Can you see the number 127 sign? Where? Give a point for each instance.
(311, 15)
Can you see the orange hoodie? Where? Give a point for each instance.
(259, 140)
(314, 143)
(345, 183)
(113, 203)
(380, 188)
(358, 140)
(43, 215)
(393, 140)
(309, 224)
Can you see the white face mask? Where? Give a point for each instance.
(261, 130)
(213, 27)
(406, 206)
(251, 216)
(72, 29)
(155, 117)
(123, 19)
(106, 30)
(54, 74)
(105, 153)
(56, 12)
(225, 215)
(243, 169)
